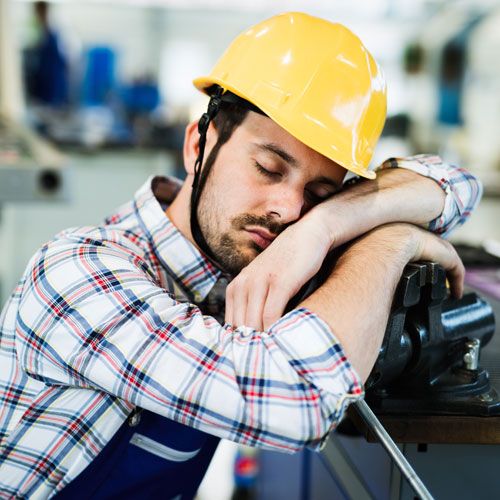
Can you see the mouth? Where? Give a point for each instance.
(260, 237)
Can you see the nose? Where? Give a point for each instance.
(286, 205)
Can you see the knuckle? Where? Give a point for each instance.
(238, 281)
(443, 242)
(242, 278)
(276, 288)
(273, 277)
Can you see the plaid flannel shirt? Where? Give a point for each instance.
(108, 318)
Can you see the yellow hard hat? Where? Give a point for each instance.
(312, 77)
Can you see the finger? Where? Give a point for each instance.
(276, 301)
(256, 299)
(454, 268)
(445, 254)
(239, 302)
(456, 276)
(228, 314)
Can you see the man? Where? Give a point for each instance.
(116, 376)
(46, 67)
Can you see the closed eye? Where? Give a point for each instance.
(267, 173)
(313, 197)
(316, 197)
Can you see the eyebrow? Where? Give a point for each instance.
(275, 149)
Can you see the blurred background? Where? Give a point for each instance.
(95, 95)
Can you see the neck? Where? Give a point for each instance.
(178, 211)
(180, 215)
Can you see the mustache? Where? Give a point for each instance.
(266, 221)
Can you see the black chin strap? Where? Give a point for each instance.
(200, 175)
(199, 179)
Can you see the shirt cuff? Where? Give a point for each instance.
(433, 167)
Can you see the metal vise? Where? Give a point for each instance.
(429, 359)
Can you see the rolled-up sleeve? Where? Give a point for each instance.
(463, 190)
(91, 316)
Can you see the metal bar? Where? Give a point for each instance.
(396, 481)
(403, 465)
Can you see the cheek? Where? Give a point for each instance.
(237, 194)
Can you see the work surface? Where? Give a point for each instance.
(449, 429)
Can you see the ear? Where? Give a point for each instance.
(191, 147)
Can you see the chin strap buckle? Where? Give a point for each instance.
(203, 123)
(212, 110)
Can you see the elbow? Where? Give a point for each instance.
(466, 195)
(477, 190)
(311, 428)
(471, 196)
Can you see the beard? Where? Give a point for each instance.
(234, 256)
(231, 248)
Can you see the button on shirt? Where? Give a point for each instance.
(114, 317)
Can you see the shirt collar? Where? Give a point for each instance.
(182, 260)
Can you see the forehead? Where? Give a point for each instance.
(257, 130)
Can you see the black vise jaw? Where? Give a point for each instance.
(429, 333)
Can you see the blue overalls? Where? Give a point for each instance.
(150, 457)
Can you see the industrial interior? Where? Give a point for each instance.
(88, 117)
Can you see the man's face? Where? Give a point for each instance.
(263, 180)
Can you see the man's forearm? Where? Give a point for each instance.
(397, 195)
(355, 301)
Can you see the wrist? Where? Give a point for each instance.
(351, 213)
(398, 240)
(316, 224)
(418, 199)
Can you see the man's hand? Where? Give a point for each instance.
(258, 296)
(432, 248)
(423, 245)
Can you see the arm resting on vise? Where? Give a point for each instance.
(356, 299)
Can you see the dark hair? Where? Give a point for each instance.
(42, 9)
(229, 117)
